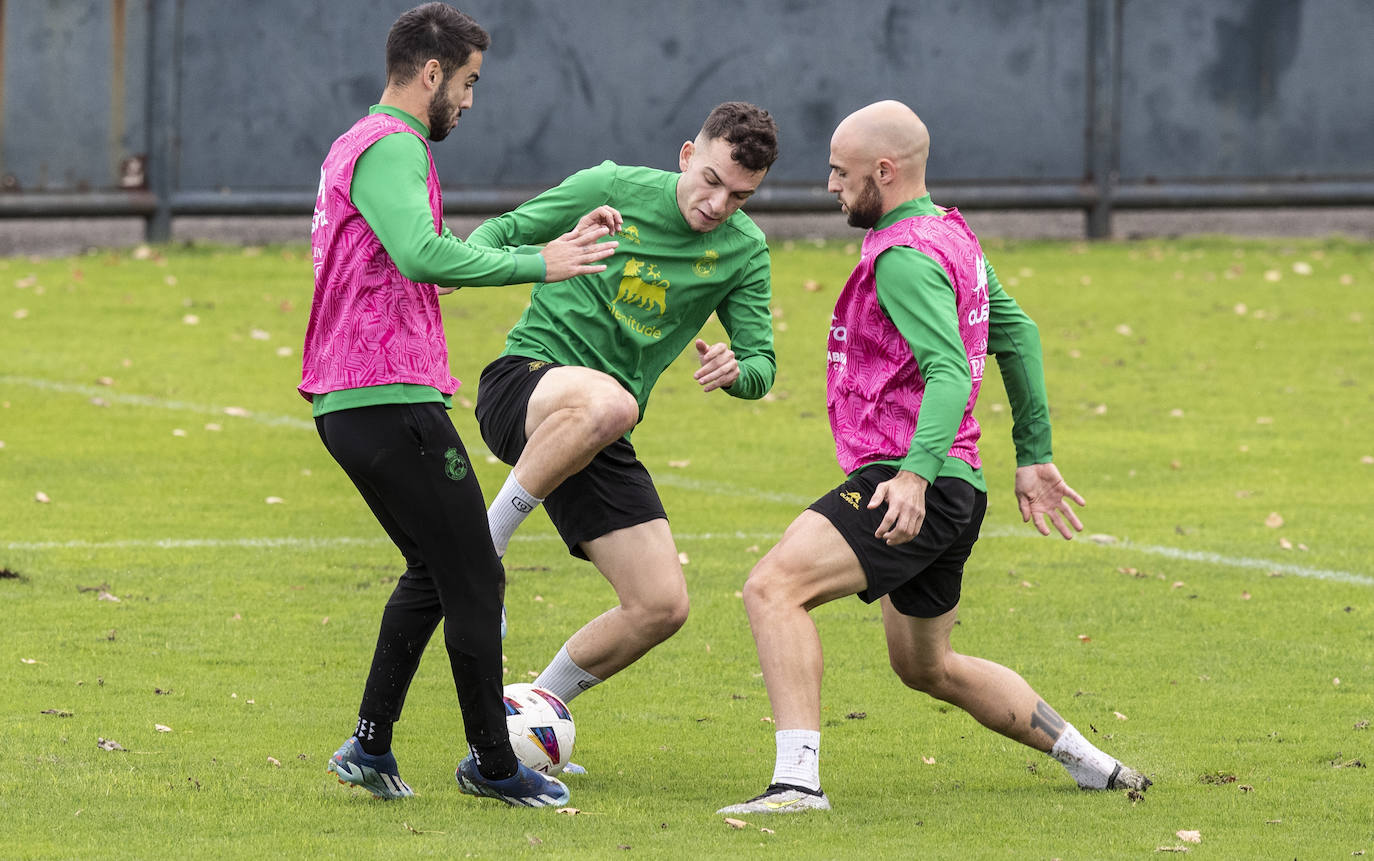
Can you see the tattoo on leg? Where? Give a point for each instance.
(1047, 720)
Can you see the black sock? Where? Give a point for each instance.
(374, 736)
(497, 762)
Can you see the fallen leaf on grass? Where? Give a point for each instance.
(1285, 544)
(679, 464)
(1120, 716)
(56, 712)
(928, 760)
(162, 727)
(1274, 520)
(276, 763)
(1084, 638)
(1218, 778)
(571, 811)
(27, 661)
(108, 744)
(856, 715)
(413, 830)
(811, 285)
(1171, 848)
(40, 496)
(767, 831)
(1189, 836)
(274, 500)
(107, 596)
(1364, 724)
(736, 823)
(682, 558)
(1099, 538)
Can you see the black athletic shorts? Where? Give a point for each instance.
(613, 492)
(922, 576)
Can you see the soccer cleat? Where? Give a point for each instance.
(574, 768)
(1128, 778)
(527, 788)
(377, 774)
(503, 621)
(781, 798)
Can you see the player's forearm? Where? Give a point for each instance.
(942, 411)
(1014, 339)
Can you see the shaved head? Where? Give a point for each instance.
(878, 160)
(888, 130)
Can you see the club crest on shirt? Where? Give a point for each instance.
(641, 285)
(628, 233)
(706, 264)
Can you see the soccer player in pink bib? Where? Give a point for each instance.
(375, 370)
(908, 343)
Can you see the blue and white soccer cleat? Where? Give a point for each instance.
(377, 774)
(527, 788)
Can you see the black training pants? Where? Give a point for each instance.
(412, 470)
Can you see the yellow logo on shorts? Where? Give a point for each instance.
(534, 366)
(852, 498)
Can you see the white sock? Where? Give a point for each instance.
(565, 679)
(510, 508)
(1090, 767)
(799, 758)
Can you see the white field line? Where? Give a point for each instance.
(666, 479)
(990, 532)
(110, 396)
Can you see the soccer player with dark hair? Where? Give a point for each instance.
(908, 345)
(375, 370)
(575, 376)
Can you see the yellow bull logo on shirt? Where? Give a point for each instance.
(636, 290)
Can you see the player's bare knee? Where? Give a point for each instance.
(663, 618)
(765, 588)
(612, 412)
(924, 676)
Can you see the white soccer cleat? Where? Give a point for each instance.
(1128, 778)
(781, 798)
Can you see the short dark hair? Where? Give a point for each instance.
(750, 130)
(434, 31)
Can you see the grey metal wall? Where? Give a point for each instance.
(229, 106)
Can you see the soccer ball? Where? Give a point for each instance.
(541, 728)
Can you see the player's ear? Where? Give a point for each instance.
(684, 157)
(887, 171)
(432, 74)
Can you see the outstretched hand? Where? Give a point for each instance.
(576, 252)
(1041, 494)
(719, 367)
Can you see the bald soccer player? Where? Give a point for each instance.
(908, 342)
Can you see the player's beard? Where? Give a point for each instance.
(865, 211)
(440, 115)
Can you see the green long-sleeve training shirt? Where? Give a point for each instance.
(659, 288)
(916, 293)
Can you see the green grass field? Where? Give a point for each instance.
(198, 563)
